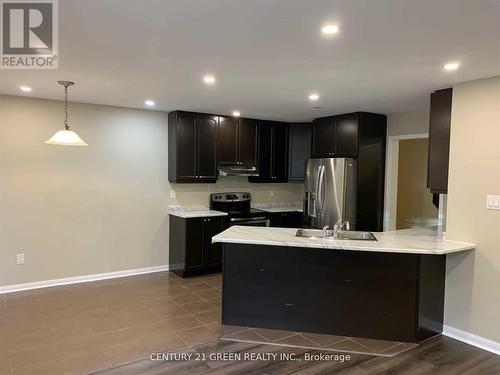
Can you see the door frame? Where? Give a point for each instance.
(391, 177)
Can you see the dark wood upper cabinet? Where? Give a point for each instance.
(336, 136)
(346, 135)
(280, 153)
(192, 140)
(323, 133)
(237, 141)
(272, 152)
(439, 141)
(206, 146)
(265, 152)
(299, 147)
(228, 141)
(186, 145)
(247, 141)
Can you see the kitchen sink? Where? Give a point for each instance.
(356, 235)
(342, 235)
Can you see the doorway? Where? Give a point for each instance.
(408, 202)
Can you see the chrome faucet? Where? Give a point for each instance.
(325, 231)
(340, 225)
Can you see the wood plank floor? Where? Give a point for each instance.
(441, 355)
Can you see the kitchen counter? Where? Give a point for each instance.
(390, 289)
(200, 213)
(280, 209)
(408, 241)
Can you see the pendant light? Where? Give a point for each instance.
(66, 137)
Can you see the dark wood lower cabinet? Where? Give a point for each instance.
(292, 219)
(385, 296)
(191, 251)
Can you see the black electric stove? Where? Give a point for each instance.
(237, 205)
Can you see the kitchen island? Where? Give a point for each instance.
(389, 289)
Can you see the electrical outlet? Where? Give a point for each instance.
(493, 202)
(271, 193)
(20, 258)
(172, 194)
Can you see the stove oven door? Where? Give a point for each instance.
(260, 221)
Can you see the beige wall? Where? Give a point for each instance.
(414, 121)
(78, 211)
(414, 198)
(472, 301)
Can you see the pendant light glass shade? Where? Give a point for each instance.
(66, 137)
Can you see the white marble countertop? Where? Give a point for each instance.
(273, 207)
(200, 213)
(409, 241)
(280, 209)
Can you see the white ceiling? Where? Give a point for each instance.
(267, 55)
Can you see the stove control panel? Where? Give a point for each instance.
(230, 197)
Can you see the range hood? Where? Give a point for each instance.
(237, 170)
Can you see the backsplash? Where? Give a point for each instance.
(193, 197)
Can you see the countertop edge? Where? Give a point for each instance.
(349, 248)
(194, 214)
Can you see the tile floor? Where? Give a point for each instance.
(76, 329)
(314, 341)
(83, 327)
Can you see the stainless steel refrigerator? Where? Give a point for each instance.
(330, 192)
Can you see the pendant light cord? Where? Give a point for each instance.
(66, 116)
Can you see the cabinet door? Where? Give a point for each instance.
(213, 252)
(346, 135)
(280, 153)
(206, 147)
(278, 219)
(228, 141)
(323, 138)
(290, 219)
(299, 150)
(186, 146)
(439, 141)
(247, 142)
(265, 132)
(194, 244)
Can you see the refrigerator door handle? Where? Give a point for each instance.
(321, 188)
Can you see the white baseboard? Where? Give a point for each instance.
(471, 339)
(80, 279)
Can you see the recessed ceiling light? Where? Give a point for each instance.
(451, 66)
(209, 79)
(149, 103)
(330, 29)
(236, 113)
(25, 88)
(313, 97)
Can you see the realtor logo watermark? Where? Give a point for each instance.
(29, 37)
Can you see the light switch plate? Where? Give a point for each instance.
(172, 194)
(20, 258)
(493, 202)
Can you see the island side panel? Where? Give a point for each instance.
(349, 293)
(432, 274)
